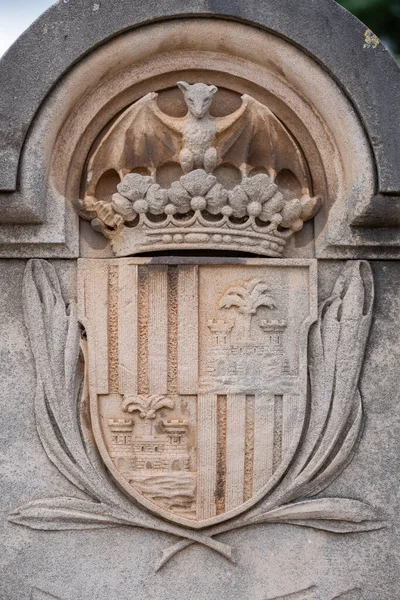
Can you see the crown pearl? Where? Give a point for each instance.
(254, 209)
(276, 218)
(141, 206)
(198, 203)
(227, 210)
(170, 209)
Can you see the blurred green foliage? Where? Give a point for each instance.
(382, 16)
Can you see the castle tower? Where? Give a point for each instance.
(275, 330)
(221, 330)
(176, 454)
(121, 443)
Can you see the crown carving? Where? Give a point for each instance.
(199, 181)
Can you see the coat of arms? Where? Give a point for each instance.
(197, 396)
(198, 378)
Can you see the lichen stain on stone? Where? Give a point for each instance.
(371, 40)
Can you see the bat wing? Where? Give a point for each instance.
(141, 137)
(254, 136)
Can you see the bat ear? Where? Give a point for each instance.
(183, 86)
(213, 89)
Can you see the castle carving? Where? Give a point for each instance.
(148, 451)
(240, 344)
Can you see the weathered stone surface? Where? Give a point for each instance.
(271, 560)
(199, 421)
(317, 26)
(199, 206)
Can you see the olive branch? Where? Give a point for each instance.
(336, 349)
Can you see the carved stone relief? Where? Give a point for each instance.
(196, 376)
(308, 594)
(157, 182)
(312, 594)
(205, 419)
(40, 595)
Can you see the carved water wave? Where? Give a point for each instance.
(176, 489)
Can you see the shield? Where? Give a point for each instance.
(197, 375)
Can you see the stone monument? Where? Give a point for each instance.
(200, 230)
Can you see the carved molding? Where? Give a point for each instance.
(337, 344)
(287, 20)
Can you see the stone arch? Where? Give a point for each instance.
(33, 127)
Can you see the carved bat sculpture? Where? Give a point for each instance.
(144, 137)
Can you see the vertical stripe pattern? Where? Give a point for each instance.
(278, 419)
(289, 422)
(188, 329)
(235, 449)
(249, 448)
(158, 330)
(207, 455)
(128, 329)
(220, 486)
(143, 337)
(113, 338)
(96, 284)
(263, 440)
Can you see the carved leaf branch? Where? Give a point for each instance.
(54, 336)
(248, 297)
(337, 346)
(40, 595)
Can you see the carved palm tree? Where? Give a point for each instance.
(147, 405)
(247, 298)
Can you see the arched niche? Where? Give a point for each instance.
(238, 59)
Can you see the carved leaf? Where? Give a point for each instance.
(40, 595)
(198, 182)
(231, 299)
(308, 594)
(54, 336)
(263, 300)
(146, 405)
(59, 514)
(354, 594)
(248, 297)
(339, 515)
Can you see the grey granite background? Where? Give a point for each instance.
(275, 560)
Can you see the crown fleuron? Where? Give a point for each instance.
(222, 186)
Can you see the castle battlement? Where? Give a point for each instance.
(273, 326)
(175, 426)
(145, 451)
(121, 425)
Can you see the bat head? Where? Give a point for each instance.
(198, 97)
